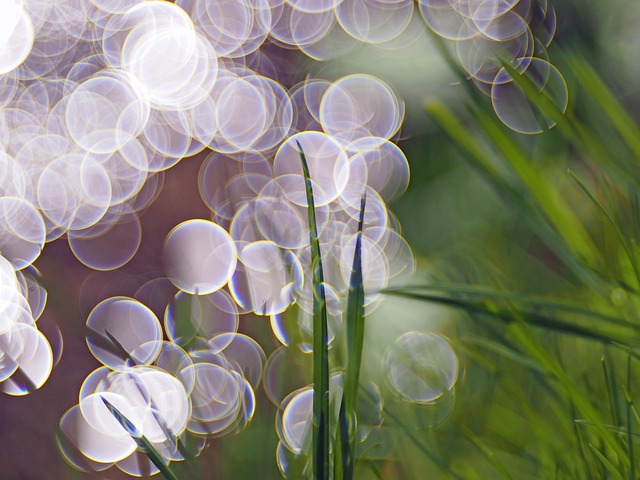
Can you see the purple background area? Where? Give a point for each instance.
(28, 423)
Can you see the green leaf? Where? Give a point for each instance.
(320, 428)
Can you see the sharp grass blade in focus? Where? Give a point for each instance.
(111, 343)
(347, 428)
(142, 442)
(320, 427)
(177, 444)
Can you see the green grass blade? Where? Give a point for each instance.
(541, 100)
(142, 442)
(374, 470)
(593, 84)
(570, 128)
(177, 443)
(530, 300)
(623, 241)
(606, 462)
(419, 443)
(625, 333)
(550, 201)
(583, 406)
(487, 453)
(111, 343)
(611, 428)
(320, 428)
(612, 392)
(483, 160)
(586, 460)
(485, 345)
(355, 343)
(632, 473)
(632, 406)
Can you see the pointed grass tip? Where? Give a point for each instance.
(122, 420)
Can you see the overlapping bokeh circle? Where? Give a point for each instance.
(99, 98)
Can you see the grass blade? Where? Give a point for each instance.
(109, 342)
(624, 333)
(355, 342)
(609, 103)
(632, 473)
(606, 462)
(612, 428)
(570, 128)
(418, 441)
(485, 345)
(529, 300)
(487, 453)
(550, 201)
(573, 249)
(612, 392)
(320, 428)
(623, 242)
(142, 442)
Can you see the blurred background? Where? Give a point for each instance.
(543, 391)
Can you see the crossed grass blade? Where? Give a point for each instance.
(143, 443)
(573, 249)
(110, 343)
